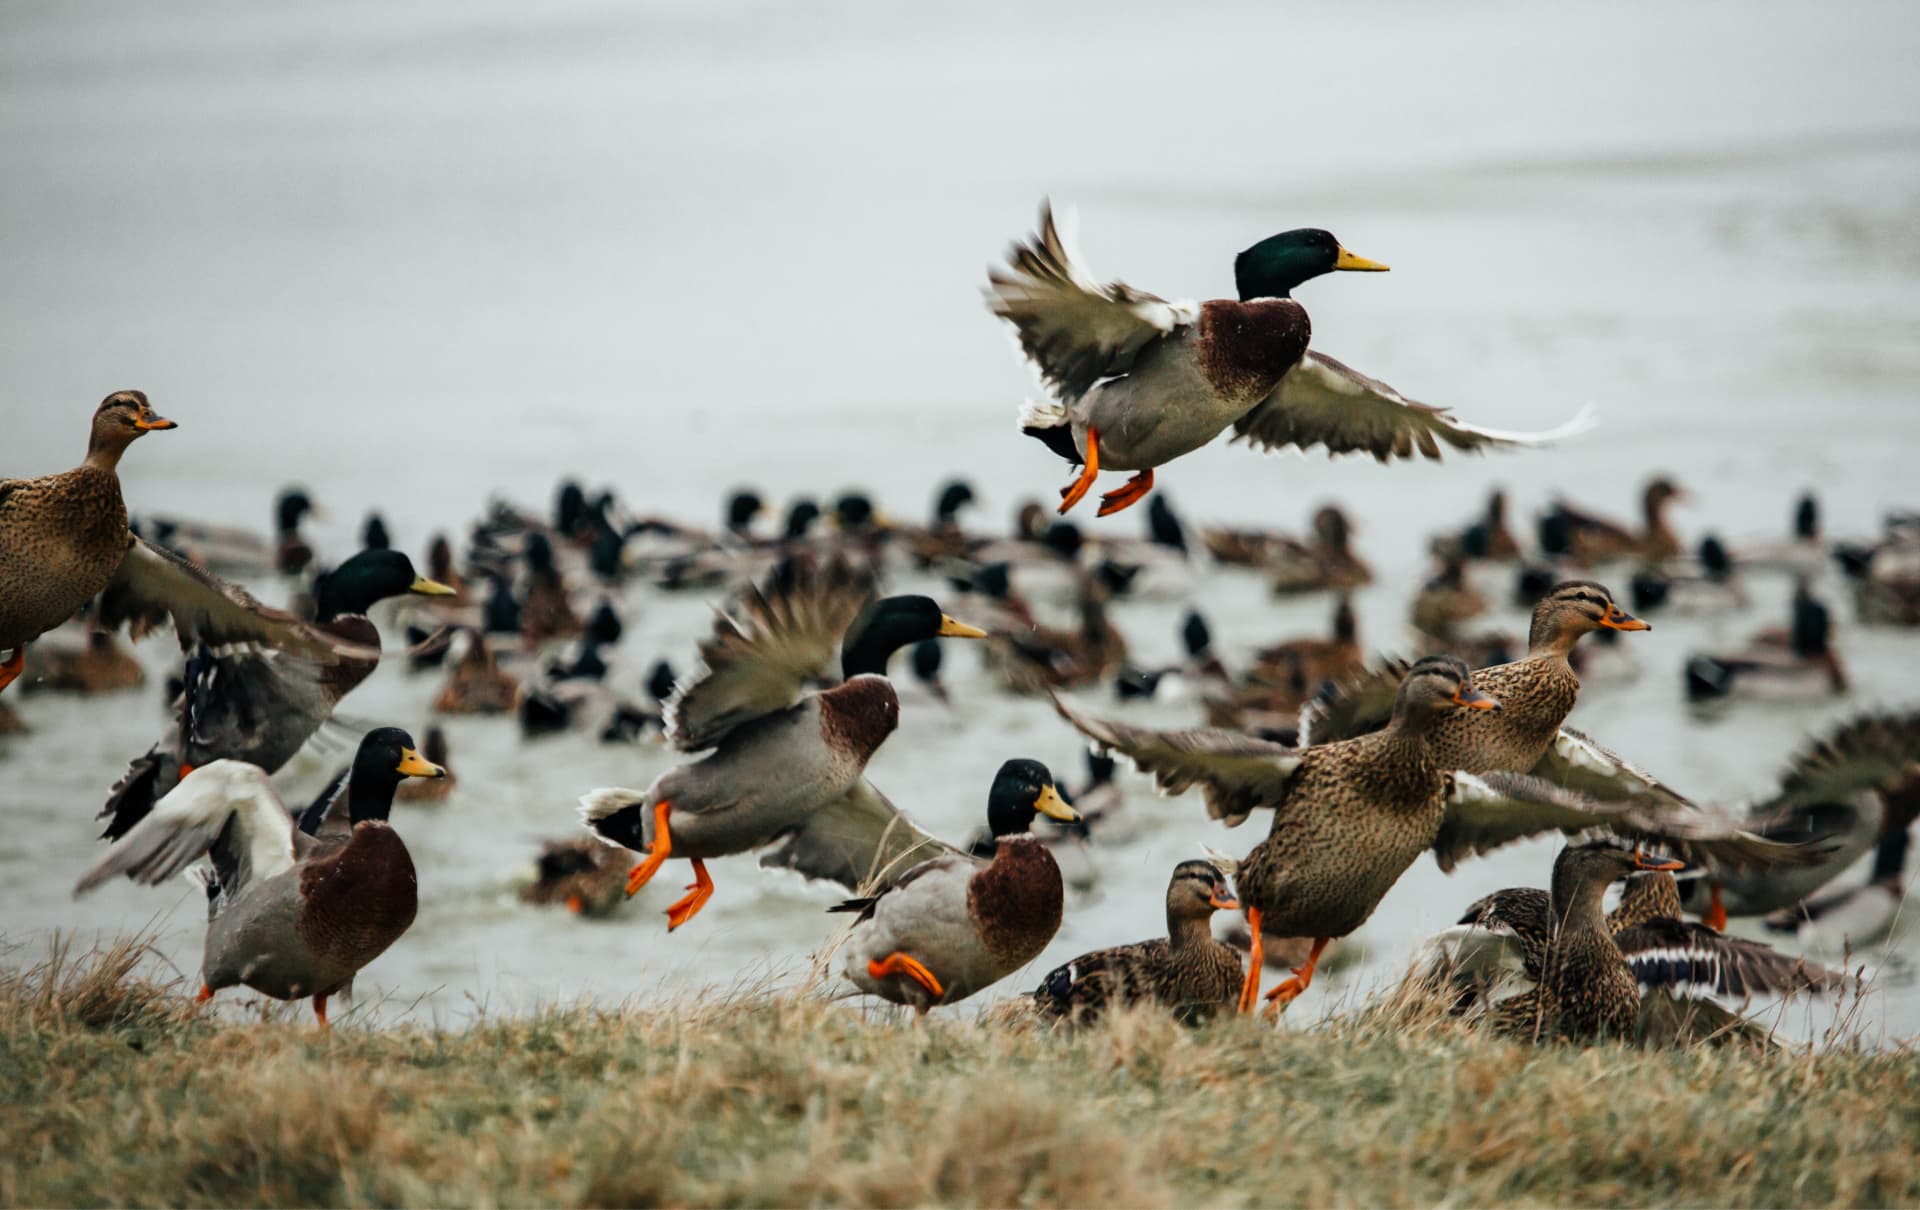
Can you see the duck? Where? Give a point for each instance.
(434, 789)
(1038, 657)
(476, 684)
(373, 533)
(249, 692)
(1487, 539)
(1587, 539)
(1885, 574)
(1186, 973)
(1797, 661)
(1324, 562)
(952, 925)
(778, 754)
(99, 665)
(1445, 604)
(546, 613)
(943, 539)
(1200, 670)
(1838, 798)
(290, 915)
(1662, 949)
(586, 877)
(292, 553)
(1846, 920)
(1138, 381)
(1802, 552)
(1713, 586)
(1351, 815)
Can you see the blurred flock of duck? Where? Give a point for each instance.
(1357, 757)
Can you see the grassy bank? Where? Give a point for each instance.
(116, 1091)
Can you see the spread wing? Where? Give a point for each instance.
(1575, 761)
(1487, 810)
(154, 584)
(1353, 705)
(227, 809)
(1236, 772)
(1691, 959)
(1325, 402)
(1074, 330)
(1870, 752)
(761, 655)
(860, 840)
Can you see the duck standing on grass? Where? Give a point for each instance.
(954, 924)
(289, 915)
(1187, 972)
(777, 754)
(1142, 381)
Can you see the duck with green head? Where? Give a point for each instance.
(777, 753)
(1140, 381)
(242, 698)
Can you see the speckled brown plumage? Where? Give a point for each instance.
(1585, 987)
(358, 901)
(585, 876)
(1244, 347)
(1186, 972)
(63, 536)
(1014, 900)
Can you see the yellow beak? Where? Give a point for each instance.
(1359, 264)
(429, 588)
(412, 764)
(950, 629)
(1053, 806)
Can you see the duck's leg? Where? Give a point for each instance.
(1289, 989)
(18, 660)
(320, 1011)
(1127, 493)
(688, 905)
(662, 848)
(1250, 990)
(203, 995)
(898, 963)
(576, 904)
(1716, 914)
(1072, 493)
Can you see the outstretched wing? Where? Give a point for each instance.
(1326, 402)
(154, 584)
(860, 840)
(1868, 752)
(1576, 762)
(1353, 705)
(1237, 773)
(1487, 810)
(1691, 959)
(762, 654)
(1074, 330)
(227, 809)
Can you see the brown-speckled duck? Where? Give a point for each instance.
(581, 874)
(1186, 972)
(1587, 539)
(955, 924)
(289, 915)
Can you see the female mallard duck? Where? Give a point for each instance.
(1587, 539)
(289, 915)
(1186, 972)
(1792, 662)
(434, 748)
(581, 874)
(1351, 815)
(952, 925)
(476, 684)
(1035, 658)
(1445, 604)
(99, 665)
(1142, 381)
(1321, 562)
(243, 699)
(777, 754)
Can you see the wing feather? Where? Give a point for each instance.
(154, 584)
(193, 818)
(860, 840)
(1237, 773)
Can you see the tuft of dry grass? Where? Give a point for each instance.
(118, 1091)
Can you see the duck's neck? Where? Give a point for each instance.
(369, 798)
(1184, 929)
(1548, 640)
(1577, 906)
(104, 455)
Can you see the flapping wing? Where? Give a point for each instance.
(1576, 762)
(154, 584)
(1237, 773)
(1487, 810)
(227, 805)
(1869, 752)
(1074, 330)
(860, 840)
(1690, 959)
(762, 653)
(1353, 705)
(1325, 402)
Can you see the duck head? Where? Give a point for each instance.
(386, 758)
(121, 419)
(1435, 686)
(1582, 874)
(1021, 790)
(1278, 263)
(370, 576)
(890, 623)
(1197, 890)
(1573, 608)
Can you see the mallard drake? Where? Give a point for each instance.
(1351, 815)
(952, 925)
(1486, 540)
(289, 915)
(586, 877)
(292, 553)
(64, 537)
(1885, 573)
(1792, 662)
(1141, 381)
(778, 755)
(1587, 539)
(1837, 799)
(1803, 551)
(943, 539)
(436, 789)
(1846, 920)
(244, 697)
(546, 613)
(1186, 972)
(1712, 585)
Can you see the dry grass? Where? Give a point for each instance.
(117, 1092)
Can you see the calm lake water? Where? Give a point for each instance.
(437, 251)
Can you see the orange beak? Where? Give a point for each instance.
(1643, 862)
(1473, 699)
(1619, 619)
(148, 422)
(1221, 900)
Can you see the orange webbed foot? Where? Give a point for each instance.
(688, 906)
(1716, 915)
(18, 660)
(1250, 990)
(661, 850)
(1074, 492)
(1289, 989)
(1128, 493)
(898, 963)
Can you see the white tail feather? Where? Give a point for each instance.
(1043, 414)
(596, 805)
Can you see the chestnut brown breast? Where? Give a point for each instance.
(356, 903)
(1245, 347)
